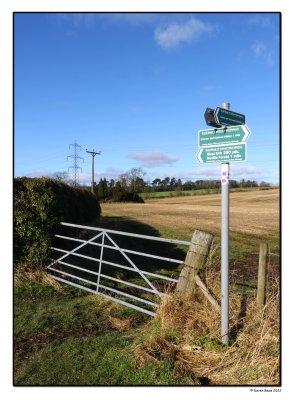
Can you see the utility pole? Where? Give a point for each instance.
(225, 246)
(93, 153)
(75, 165)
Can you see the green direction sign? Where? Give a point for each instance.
(218, 154)
(232, 134)
(228, 117)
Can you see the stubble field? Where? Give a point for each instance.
(253, 213)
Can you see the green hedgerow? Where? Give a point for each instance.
(40, 204)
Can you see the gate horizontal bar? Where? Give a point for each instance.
(128, 234)
(76, 267)
(73, 284)
(129, 295)
(128, 283)
(173, 260)
(76, 248)
(103, 275)
(72, 276)
(76, 254)
(166, 278)
(108, 288)
(104, 295)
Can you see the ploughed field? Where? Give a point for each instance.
(254, 213)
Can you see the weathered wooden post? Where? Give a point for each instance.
(194, 263)
(261, 274)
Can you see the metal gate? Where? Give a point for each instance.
(101, 275)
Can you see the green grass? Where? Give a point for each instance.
(67, 337)
(208, 343)
(197, 192)
(174, 193)
(102, 360)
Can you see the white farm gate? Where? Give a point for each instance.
(113, 271)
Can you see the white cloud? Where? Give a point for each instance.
(82, 177)
(237, 170)
(109, 173)
(88, 20)
(153, 159)
(135, 109)
(75, 20)
(263, 21)
(261, 51)
(210, 171)
(132, 18)
(213, 172)
(38, 173)
(173, 34)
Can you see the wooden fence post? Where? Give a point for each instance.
(195, 261)
(261, 274)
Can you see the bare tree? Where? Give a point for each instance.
(133, 181)
(63, 176)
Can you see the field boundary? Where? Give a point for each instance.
(196, 192)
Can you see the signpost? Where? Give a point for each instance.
(214, 154)
(227, 117)
(226, 143)
(233, 134)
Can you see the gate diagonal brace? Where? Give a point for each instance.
(75, 249)
(134, 266)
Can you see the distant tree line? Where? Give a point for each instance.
(131, 183)
(126, 188)
(128, 185)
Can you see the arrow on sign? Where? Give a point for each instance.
(228, 117)
(232, 134)
(218, 154)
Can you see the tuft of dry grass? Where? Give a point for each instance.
(120, 324)
(38, 275)
(188, 332)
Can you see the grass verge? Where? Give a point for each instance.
(64, 337)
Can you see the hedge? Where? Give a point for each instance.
(39, 207)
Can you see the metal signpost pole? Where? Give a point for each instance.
(225, 247)
(224, 144)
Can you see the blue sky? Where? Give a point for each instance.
(135, 87)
